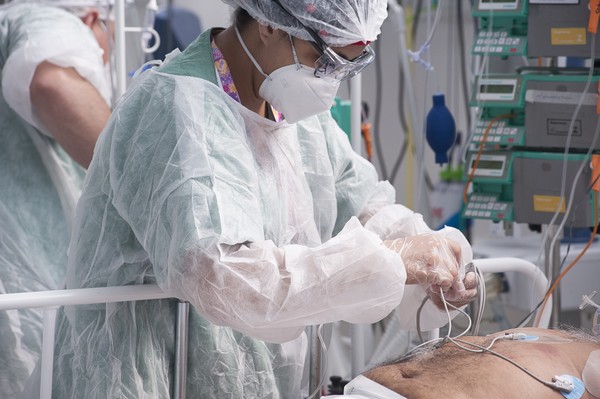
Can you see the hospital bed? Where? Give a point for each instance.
(50, 301)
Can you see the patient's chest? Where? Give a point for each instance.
(451, 371)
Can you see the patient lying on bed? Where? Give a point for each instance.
(451, 372)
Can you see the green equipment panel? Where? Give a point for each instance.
(502, 28)
(524, 187)
(541, 106)
(491, 197)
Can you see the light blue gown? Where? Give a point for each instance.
(34, 218)
(254, 222)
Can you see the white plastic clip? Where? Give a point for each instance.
(514, 336)
(415, 56)
(587, 300)
(563, 384)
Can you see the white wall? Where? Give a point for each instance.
(445, 59)
(212, 13)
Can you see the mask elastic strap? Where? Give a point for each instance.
(298, 66)
(237, 32)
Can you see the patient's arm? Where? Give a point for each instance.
(461, 374)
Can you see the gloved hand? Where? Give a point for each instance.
(429, 260)
(461, 293)
(434, 262)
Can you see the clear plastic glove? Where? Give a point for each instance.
(461, 293)
(429, 260)
(434, 263)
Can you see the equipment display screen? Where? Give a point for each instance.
(500, 89)
(488, 164)
(498, 4)
(496, 89)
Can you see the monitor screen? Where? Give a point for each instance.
(498, 4)
(496, 89)
(489, 164)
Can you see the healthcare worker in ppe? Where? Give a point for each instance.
(222, 177)
(54, 102)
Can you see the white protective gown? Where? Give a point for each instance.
(39, 183)
(253, 222)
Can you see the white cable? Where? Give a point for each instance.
(482, 293)
(550, 384)
(450, 71)
(481, 349)
(449, 323)
(436, 340)
(483, 299)
(418, 56)
(559, 386)
(470, 324)
(421, 143)
(563, 181)
(436, 21)
(571, 198)
(324, 355)
(447, 313)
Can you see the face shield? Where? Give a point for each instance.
(330, 64)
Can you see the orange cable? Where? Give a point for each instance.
(564, 272)
(594, 14)
(365, 128)
(483, 140)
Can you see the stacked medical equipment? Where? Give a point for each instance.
(533, 120)
(536, 131)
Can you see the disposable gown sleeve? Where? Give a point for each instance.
(36, 34)
(171, 179)
(360, 193)
(396, 221)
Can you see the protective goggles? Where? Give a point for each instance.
(330, 64)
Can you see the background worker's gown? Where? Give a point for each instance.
(34, 231)
(251, 221)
